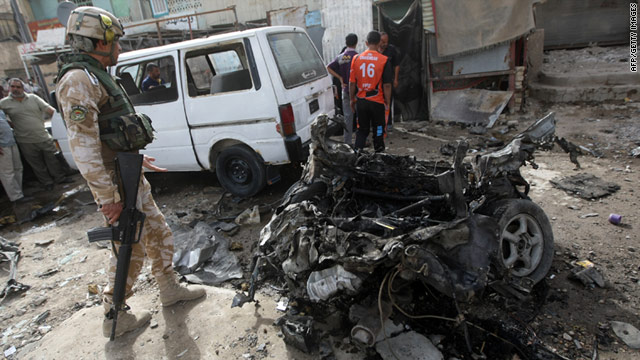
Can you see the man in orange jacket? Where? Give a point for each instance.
(371, 75)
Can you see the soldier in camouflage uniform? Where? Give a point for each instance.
(88, 98)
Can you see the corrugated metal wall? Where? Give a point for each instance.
(342, 17)
(427, 16)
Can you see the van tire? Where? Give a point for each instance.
(240, 171)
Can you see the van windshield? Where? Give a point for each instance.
(297, 59)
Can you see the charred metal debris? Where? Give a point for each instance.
(427, 244)
(10, 252)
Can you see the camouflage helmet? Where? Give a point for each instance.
(95, 23)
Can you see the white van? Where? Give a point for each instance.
(237, 103)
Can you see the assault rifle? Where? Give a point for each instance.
(127, 231)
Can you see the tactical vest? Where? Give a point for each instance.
(121, 128)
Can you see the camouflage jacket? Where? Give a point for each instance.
(80, 96)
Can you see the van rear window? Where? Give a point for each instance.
(297, 59)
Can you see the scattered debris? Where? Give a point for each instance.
(324, 284)
(44, 242)
(407, 346)
(448, 149)
(615, 219)
(93, 289)
(627, 333)
(283, 304)
(250, 216)
(586, 186)
(181, 354)
(69, 257)
(10, 252)
(37, 211)
(44, 329)
(41, 317)
(585, 272)
(227, 227)
(298, 332)
(584, 216)
(10, 351)
(477, 130)
(202, 255)
(368, 328)
(494, 142)
(84, 198)
(38, 301)
(236, 246)
(153, 324)
(635, 152)
(469, 106)
(7, 220)
(48, 272)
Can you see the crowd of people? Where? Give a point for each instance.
(367, 81)
(23, 136)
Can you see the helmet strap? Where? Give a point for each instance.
(109, 53)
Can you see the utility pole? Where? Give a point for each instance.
(25, 36)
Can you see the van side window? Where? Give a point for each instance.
(296, 57)
(144, 89)
(218, 69)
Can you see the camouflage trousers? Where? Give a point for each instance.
(156, 243)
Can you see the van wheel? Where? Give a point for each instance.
(526, 239)
(240, 171)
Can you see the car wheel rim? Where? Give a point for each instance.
(522, 245)
(239, 171)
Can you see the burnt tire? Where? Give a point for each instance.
(526, 239)
(240, 171)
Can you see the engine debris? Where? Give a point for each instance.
(388, 231)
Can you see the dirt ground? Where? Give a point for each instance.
(61, 272)
(59, 318)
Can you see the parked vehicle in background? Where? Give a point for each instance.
(238, 104)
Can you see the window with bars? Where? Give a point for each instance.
(159, 7)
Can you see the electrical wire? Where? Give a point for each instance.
(437, 317)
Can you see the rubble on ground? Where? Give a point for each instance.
(586, 186)
(202, 255)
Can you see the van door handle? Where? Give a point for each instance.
(316, 94)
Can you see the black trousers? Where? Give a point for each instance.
(370, 117)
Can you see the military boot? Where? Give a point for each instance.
(127, 320)
(171, 292)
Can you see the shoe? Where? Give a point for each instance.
(24, 199)
(66, 180)
(127, 321)
(171, 292)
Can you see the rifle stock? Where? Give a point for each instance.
(127, 231)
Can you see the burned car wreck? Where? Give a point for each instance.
(379, 236)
